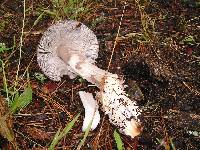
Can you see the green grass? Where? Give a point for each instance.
(14, 100)
(145, 19)
(188, 40)
(40, 77)
(3, 48)
(21, 101)
(61, 9)
(84, 137)
(147, 22)
(118, 140)
(167, 143)
(60, 134)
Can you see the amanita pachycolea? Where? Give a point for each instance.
(70, 48)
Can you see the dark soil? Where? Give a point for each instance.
(164, 65)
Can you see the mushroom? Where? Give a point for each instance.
(70, 48)
(91, 109)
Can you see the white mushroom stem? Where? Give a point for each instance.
(122, 112)
(91, 110)
(82, 66)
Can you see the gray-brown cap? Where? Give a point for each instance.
(72, 35)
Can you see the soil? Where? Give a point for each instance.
(151, 51)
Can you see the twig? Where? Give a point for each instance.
(21, 44)
(192, 90)
(115, 43)
(4, 80)
(26, 137)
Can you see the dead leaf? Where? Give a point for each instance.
(49, 87)
(6, 123)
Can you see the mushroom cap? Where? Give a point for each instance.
(73, 36)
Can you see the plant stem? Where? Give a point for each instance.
(21, 44)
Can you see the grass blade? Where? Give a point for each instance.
(85, 136)
(120, 145)
(172, 144)
(38, 18)
(59, 135)
(22, 101)
(5, 86)
(55, 140)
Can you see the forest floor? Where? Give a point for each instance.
(158, 48)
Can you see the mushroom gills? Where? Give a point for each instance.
(91, 110)
(81, 65)
(70, 35)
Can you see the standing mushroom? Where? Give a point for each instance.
(70, 48)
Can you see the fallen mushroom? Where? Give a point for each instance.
(70, 48)
(91, 110)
